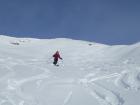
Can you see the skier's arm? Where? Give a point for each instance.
(59, 57)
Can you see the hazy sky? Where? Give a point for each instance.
(103, 21)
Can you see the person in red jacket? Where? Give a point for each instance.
(56, 57)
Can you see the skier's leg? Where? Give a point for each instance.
(55, 61)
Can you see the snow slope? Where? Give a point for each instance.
(89, 74)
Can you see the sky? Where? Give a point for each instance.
(103, 21)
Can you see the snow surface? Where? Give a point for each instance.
(89, 74)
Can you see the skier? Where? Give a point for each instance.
(56, 57)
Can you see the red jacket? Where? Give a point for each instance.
(56, 56)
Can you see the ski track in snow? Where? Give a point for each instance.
(129, 80)
(106, 98)
(67, 99)
(103, 95)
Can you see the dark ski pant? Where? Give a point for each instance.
(55, 61)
